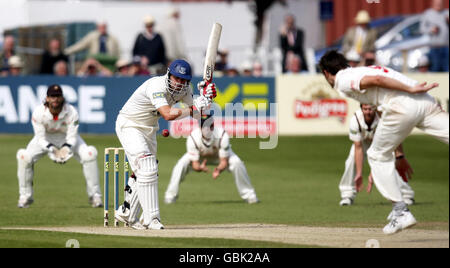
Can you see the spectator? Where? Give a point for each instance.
(122, 68)
(231, 72)
(51, 56)
(435, 24)
(360, 38)
(257, 69)
(60, 68)
(246, 68)
(98, 43)
(172, 35)
(91, 67)
(293, 63)
(15, 65)
(291, 40)
(423, 65)
(353, 58)
(7, 52)
(222, 62)
(150, 44)
(139, 66)
(369, 58)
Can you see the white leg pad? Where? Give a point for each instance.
(131, 197)
(148, 197)
(147, 184)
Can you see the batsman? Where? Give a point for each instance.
(136, 128)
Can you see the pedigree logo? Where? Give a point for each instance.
(317, 103)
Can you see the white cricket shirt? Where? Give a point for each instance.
(142, 107)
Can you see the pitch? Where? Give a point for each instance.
(297, 184)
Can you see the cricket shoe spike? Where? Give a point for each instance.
(400, 222)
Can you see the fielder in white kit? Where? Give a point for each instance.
(405, 104)
(210, 145)
(55, 125)
(363, 126)
(136, 128)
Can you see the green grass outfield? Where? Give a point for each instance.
(297, 184)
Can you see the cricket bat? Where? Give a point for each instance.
(211, 52)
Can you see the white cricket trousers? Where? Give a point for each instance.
(235, 166)
(86, 155)
(347, 185)
(140, 146)
(400, 116)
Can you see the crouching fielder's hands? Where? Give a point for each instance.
(208, 90)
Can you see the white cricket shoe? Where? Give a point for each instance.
(156, 225)
(96, 201)
(252, 200)
(170, 200)
(409, 201)
(399, 223)
(346, 202)
(25, 202)
(390, 217)
(122, 214)
(138, 226)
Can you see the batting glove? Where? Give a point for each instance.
(207, 90)
(201, 103)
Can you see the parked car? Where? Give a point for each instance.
(399, 38)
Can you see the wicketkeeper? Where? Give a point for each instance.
(55, 125)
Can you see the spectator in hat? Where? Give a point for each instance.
(423, 66)
(353, 58)
(15, 66)
(97, 42)
(51, 56)
(123, 67)
(150, 44)
(246, 68)
(91, 67)
(360, 38)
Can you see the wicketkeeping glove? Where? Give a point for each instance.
(64, 154)
(208, 90)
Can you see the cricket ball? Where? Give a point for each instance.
(165, 133)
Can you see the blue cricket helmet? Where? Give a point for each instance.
(181, 69)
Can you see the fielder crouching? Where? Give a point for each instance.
(55, 125)
(210, 145)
